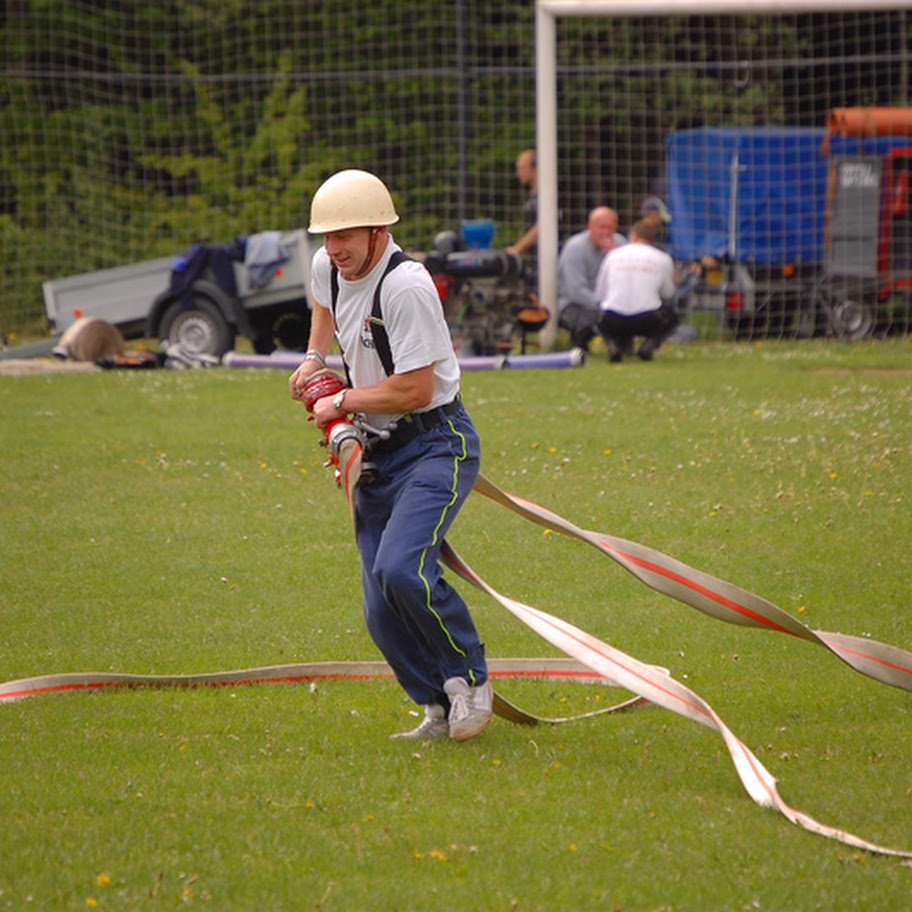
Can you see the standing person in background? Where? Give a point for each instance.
(654, 211)
(527, 245)
(404, 378)
(577, 270)
(635, 284)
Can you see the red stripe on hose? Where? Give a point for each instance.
(696, 587)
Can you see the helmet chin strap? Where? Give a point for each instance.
(369, 263)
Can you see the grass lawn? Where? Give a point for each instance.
(174, 522)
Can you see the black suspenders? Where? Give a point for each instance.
(378, 328)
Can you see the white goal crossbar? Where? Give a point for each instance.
(546, 14)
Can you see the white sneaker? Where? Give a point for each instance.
(434, 725)
(470, 708)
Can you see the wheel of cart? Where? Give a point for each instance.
(199, 326)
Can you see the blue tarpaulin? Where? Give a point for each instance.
(771, 181)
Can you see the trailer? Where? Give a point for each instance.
(201, 299)
(810, 224)
(866, 281)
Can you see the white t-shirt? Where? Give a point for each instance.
(635, 279)
(413, 317)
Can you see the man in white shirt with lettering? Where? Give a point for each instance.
(634, 286)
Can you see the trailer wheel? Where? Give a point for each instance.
(851, 320)
(850, 317)
(199, 329)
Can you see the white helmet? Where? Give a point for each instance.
(351, 199)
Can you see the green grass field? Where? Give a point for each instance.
(168, 522)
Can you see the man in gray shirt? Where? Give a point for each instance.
(577, 269)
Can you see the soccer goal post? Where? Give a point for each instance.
(549, 13)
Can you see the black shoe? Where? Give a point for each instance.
(614, 351)
(647, 348)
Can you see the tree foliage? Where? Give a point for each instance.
(128, 131)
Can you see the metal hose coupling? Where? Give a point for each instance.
(341, 432)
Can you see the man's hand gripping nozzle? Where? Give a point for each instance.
(344, 429)
(328, 383)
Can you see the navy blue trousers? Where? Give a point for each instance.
(418, 620)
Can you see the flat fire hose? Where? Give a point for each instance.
(650, 684)
(554, 669)
(715, 597)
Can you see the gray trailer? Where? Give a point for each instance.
(268, 305)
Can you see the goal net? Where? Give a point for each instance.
(775, 143)
(129, 132)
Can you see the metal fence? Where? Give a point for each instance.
(130, 134)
